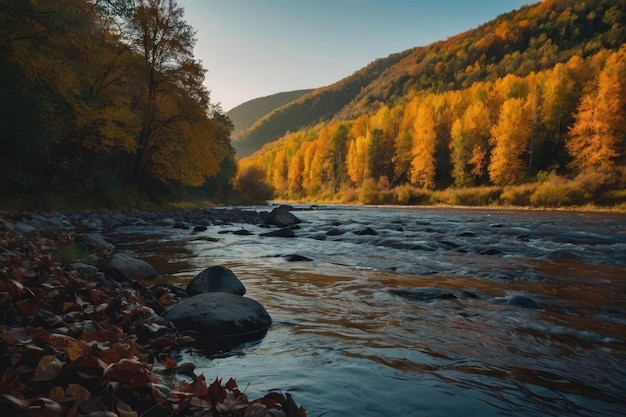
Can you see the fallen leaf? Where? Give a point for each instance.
(77, 392)
(57, 394)
(16, 335)
(48, 368)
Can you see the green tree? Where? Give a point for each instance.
(337, 155)
(469, 137)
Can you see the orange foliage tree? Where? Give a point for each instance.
(596, 139)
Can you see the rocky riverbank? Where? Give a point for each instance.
(82, 332)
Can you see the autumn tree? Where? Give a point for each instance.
(470, 134)
(596, 139)
(174, 141)
(423, 149)
(510, 137)
(403, 143)
(357, 157)
(337, 155)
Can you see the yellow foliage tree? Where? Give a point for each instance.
(423, 150)
(469, 135)
(510, 137)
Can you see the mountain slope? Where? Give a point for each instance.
(552, 31)
(246, 114)
(319, 105)
(536, 96)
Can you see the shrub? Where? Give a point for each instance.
(251, 186)
(558, 192)
(72, 253)
(474, 196)
(369, 192)
(517, 195)
(407, 195)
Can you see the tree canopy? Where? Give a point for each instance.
(105, 99)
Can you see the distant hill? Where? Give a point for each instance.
(246, 114)
(316, 106)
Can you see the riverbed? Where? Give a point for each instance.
(412, 312)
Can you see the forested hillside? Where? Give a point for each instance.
(319, 105)
(104, 103)
(246, 114)
(530, 107)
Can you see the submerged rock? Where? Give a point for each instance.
(424, 294)
(522, 301)
(367, 231)
(297, 258)
(220, 315)
(216, 279)
(285, 232)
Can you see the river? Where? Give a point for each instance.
(407, 312)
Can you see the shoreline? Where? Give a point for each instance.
(75, 345)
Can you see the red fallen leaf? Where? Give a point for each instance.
(200, 387)
(217, 393)
(88, 362)
(162, 342)
(45, 261)
(11, 382)
(185, 387)
(131, 372)
(48, 368)
(101, 336)
(231, 385)
(126, 365)
(170, 363)
(28, 308)
(17, 288)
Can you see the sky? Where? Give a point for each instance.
(255, 48)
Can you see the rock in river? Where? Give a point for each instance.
(216, 279)
(220, 315)
(122, 267)
(282, 217)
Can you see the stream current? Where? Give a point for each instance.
(407, 312)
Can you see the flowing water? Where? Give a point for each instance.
(414, 318)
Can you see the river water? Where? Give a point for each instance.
(412, 317)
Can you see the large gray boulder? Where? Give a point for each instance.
(122, 267)
(220, 315)
(216, 279)
(282, 217)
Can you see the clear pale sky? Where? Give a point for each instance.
(254, 48)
